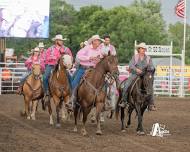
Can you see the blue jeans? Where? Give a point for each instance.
(46, 76)
(22, 80)
(77, 77)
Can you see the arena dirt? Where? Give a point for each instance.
(20, 135)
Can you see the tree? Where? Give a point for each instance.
(175, 33)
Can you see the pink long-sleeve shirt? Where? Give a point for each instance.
(35, 60)
(86, 53)
(53, 54)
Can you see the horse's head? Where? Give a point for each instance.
(110, 64)
(66, 61)
(148, 79)
(36, 71)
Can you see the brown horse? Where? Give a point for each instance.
(33, 91)
(59, 88)
(91, 91)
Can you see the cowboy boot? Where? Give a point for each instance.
(123, 103)
(152, 107)
(19, 89)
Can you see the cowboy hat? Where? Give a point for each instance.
(41, 45)
(141, 45)
(59, 37)
(36, 49)
(95, 37)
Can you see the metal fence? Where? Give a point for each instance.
(169, 85)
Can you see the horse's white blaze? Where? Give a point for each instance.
(68, 61)
(51, 119)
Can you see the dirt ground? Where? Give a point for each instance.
(20, 135)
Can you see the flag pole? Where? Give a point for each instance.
(183, 51)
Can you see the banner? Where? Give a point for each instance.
(176, 71)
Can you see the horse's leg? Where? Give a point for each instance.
(76, 110)
(122, 119)
(50, 112)
(130, 110)
(34, 107)
(27, 107)
(99, 107)
(63, 113)
(140, 130)
(93, 115)
(57, 105)
(85, 114)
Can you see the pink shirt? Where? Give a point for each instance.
(84, 55)
(35, 60)
(53, 54)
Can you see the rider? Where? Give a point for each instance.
(42, 50)
(33, 59)
(107, 47)
(52, 56)
(137, 64)
(87, 57)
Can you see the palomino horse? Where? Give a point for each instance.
(32, 91)
(138, 98)
(59, 87)
(91, 91)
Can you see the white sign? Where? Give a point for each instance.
(159, 50)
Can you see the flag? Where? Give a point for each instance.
(179, 9)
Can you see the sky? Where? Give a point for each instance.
(167, 7)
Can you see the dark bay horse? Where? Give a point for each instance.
(138, 98)
(33, 91)
(59, 88)
(91, 91)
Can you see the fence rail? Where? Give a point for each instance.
(169, 85)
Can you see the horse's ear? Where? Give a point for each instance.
(109, 53)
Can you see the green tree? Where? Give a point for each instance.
(175, 33)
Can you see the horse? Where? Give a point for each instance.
(138, 98)
(33, 91)
(59, 88)
(91, 91)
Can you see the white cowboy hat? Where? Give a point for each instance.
(86, 43)
(141, 45)
(59, 37)
(95, 37)
(41, 45)
(36, 49)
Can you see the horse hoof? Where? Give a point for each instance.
(123, 130)
(140, 133)
(58, 125)
(75, 129)
(28, 117)
(51, 122)
(98, 132)
(84, 133)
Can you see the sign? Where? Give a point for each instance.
(176, 71)
(159, 50)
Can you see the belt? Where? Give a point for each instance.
(86, 67)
